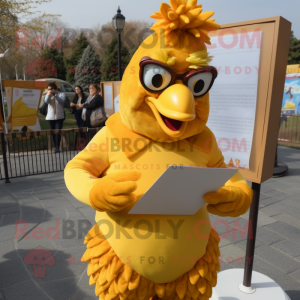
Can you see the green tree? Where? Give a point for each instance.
(12, 13)
(57, 57)
(110, 61)
(88, 68)
(73, 60)
(294, 51)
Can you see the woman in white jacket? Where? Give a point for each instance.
(56, 113)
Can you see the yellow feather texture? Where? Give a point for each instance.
(183, 16)
(114, 280)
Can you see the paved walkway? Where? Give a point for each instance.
(57, 222)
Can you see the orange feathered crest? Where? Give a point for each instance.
(181, 17)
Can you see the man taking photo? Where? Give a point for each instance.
(56, 112)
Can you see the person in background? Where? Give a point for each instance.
(56, 112)
(93, 101)
(79, 98)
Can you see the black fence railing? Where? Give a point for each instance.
(289, 131)
(32, 153)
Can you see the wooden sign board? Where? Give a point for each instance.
(110, 91)
(275, 39)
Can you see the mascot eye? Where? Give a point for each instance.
(156, 78)
(199, 84)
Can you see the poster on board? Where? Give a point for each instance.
(233, 96)
(291, 94)
(108, 97)
(24, 109)
(23, 100)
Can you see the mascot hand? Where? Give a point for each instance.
(230, 201)
(114, 191)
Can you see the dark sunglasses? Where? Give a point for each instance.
(156, 76)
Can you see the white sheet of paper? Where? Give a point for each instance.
(180, 190)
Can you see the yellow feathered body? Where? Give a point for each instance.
(162, 122)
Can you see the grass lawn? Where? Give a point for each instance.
(69, 122)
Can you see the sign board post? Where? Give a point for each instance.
(250, 104)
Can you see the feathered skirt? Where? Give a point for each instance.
(115, 280)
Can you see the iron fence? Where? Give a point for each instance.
(289, 130)
(32, 153)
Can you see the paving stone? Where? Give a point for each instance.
(86, 294)
(279, 195)
(243, 244)
(10, 209)
(7, 251)
(295, 200)
(292, 191)
(231, 253)
(32, 208)
(89, 213)
(268, 201)
(25, 291)
(73, 200)
(281, 185)
(264, 220)
(225, 266)
(12, 272)
(67, 265)
(74, 213)
(286, 230)
(288, 247)
(84, 283)
(31, 243)
(61, 289)
(281, 207)
(263, 196)
(72, 233)
(53, 213)
(54, 202)
(277, 259)
(295, 275)
(51, 195)
(265, 188)
(6, 202)
(268, 237)
(224, 242)
(7, 232)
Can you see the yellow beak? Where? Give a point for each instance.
(176, 102)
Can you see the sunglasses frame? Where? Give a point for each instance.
(146, 60)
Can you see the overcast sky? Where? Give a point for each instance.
(86, 13)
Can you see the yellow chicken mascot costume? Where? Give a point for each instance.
(164, 107)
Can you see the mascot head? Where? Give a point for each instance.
(164, 91)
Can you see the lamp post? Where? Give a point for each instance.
(119, 22)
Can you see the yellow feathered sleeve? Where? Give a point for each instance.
(82, 172)
(84, 178)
